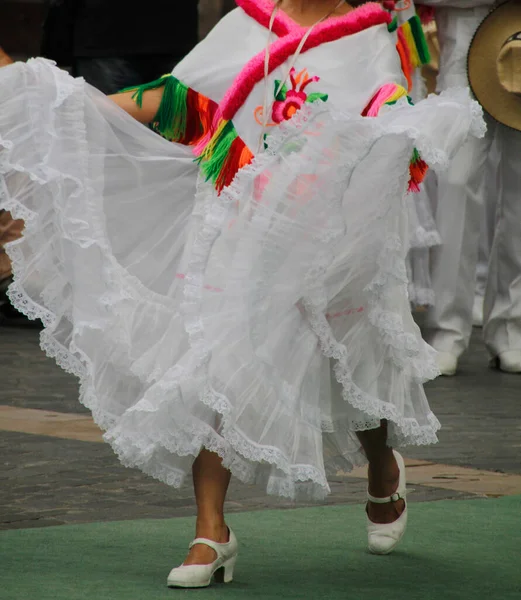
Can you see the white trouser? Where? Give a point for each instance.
(502, 308)
(459, 210)
(458, 219)
(492, 191)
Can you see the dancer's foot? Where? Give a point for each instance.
(447, 363)
(202, 568)
(200, 554)
(383, 481)
(386, 514)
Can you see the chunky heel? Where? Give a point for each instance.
(228, 569)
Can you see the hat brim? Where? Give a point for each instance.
(488, 40)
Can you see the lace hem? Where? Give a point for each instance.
(421, 296)
(421, 238)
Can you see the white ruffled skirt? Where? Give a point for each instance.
(268, 324)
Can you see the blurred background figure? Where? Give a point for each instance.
(460, 213)
(210, 11)
(111, 45)
(228, 5)
(492, 192)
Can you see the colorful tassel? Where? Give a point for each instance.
(405, 58)
(238, 157)
(412, 47)
(387, 94)
(416, 42)
(418, 170)
(214, 155)
(224, 154)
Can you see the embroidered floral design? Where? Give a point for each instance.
(289, 101)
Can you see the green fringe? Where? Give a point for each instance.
(171, 116)
(415, 156)
(420, 40)
(393, 25)
(212, 166)
(170, 120)
(139, 90)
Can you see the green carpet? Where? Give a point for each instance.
(453, 550)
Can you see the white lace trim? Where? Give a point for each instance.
(422, 238)
(421, 296)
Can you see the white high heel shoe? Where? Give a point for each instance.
(199, 576)
(384, 537)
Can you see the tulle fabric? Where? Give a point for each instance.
(423, 235)
(268, 324)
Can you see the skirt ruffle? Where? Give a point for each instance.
(269, 323)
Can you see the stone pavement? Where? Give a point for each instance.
(54, 470)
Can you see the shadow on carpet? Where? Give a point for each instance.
(453, 550)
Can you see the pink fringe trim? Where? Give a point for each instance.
(383, 95)
(359, 19)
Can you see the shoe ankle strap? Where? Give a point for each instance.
(216, 546)
(393, 498)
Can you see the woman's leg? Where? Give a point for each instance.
(211, 482)
(383, 474)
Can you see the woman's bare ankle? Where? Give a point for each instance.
(212, 528)
(383, 476)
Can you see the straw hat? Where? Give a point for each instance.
(494, 64)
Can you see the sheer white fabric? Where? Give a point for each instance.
(269, 323)
(423, 235)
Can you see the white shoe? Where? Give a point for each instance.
(384, 537)
(199, 576)
(510, 361)
(447, 363)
